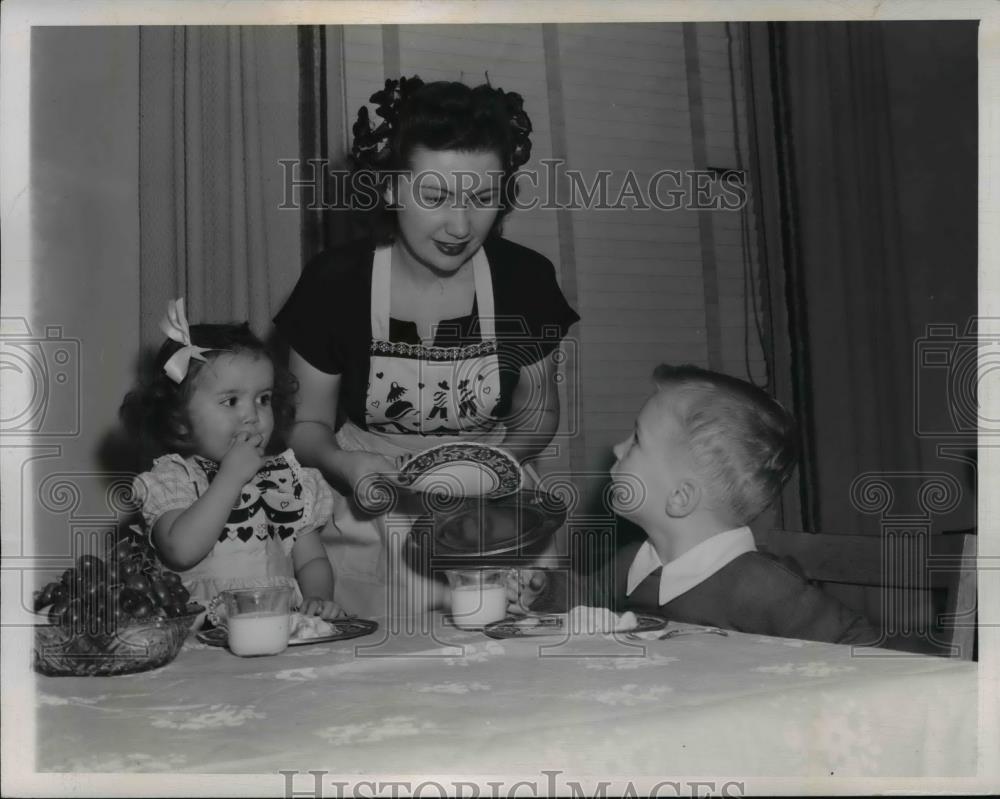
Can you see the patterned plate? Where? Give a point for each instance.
(343, 630)
(552, 624)
(463, 470)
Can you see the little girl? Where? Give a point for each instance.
(219, 510)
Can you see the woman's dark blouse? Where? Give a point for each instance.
(327, 319)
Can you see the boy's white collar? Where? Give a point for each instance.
(694, 566)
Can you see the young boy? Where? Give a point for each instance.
(709, 453)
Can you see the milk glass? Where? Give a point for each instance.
(478, 596)
(258, 620)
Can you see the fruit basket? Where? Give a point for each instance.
(121, 614)
(61, 651)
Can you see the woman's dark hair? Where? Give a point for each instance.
(155, 412)
(439, 116)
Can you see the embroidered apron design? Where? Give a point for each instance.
(419, 390)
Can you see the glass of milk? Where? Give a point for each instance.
(258, 620)
(478, 596)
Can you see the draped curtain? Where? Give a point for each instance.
(221, 108)
(323, 125)
(860, 170)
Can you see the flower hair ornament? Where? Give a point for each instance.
(371, 150)
(175, 327)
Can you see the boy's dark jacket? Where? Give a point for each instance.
(753, 593)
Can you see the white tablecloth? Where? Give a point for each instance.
(449, 701)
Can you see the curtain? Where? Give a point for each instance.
(219, 111)
(323, 125)
(864, 164)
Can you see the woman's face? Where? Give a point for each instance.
(446, 206)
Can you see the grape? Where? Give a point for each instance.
(137, 582)
(95, 617)
(129, 599)
(73, 615)
(180, 593)
(95, 587)
(90, 563)
(44, 598)
(143, 609)
(99, 596)
(122, 549)
(57, 611)
(159, 589)
(129, 567)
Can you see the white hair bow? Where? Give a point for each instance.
(175, 326)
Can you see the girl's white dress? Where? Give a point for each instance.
(283, 501)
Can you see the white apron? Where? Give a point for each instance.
(418, 396)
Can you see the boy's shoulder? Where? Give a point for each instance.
(758, 565)
(758, 579)
(758, 593)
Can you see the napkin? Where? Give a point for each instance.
(309, 627)
(589, 620)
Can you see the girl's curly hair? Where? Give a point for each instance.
(155, 412)
(440, 116)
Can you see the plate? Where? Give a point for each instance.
(552, 624)
(449, 621)
(344, 629)
(477, 532)
(463, 470)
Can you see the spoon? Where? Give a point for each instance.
(663, 636)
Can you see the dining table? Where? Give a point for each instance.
(421, 697)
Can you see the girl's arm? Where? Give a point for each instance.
(312, 436)
(315, 576)
(534, 412)
(185, 537)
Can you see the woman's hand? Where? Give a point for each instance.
(372, 478)
(524, 586)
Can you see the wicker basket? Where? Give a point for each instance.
(141, 646)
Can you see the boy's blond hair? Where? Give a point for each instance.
(743, 441)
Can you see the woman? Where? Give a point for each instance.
(433, 329)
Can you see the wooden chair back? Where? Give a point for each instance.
(898, 563)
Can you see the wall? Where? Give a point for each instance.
(85, 264)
